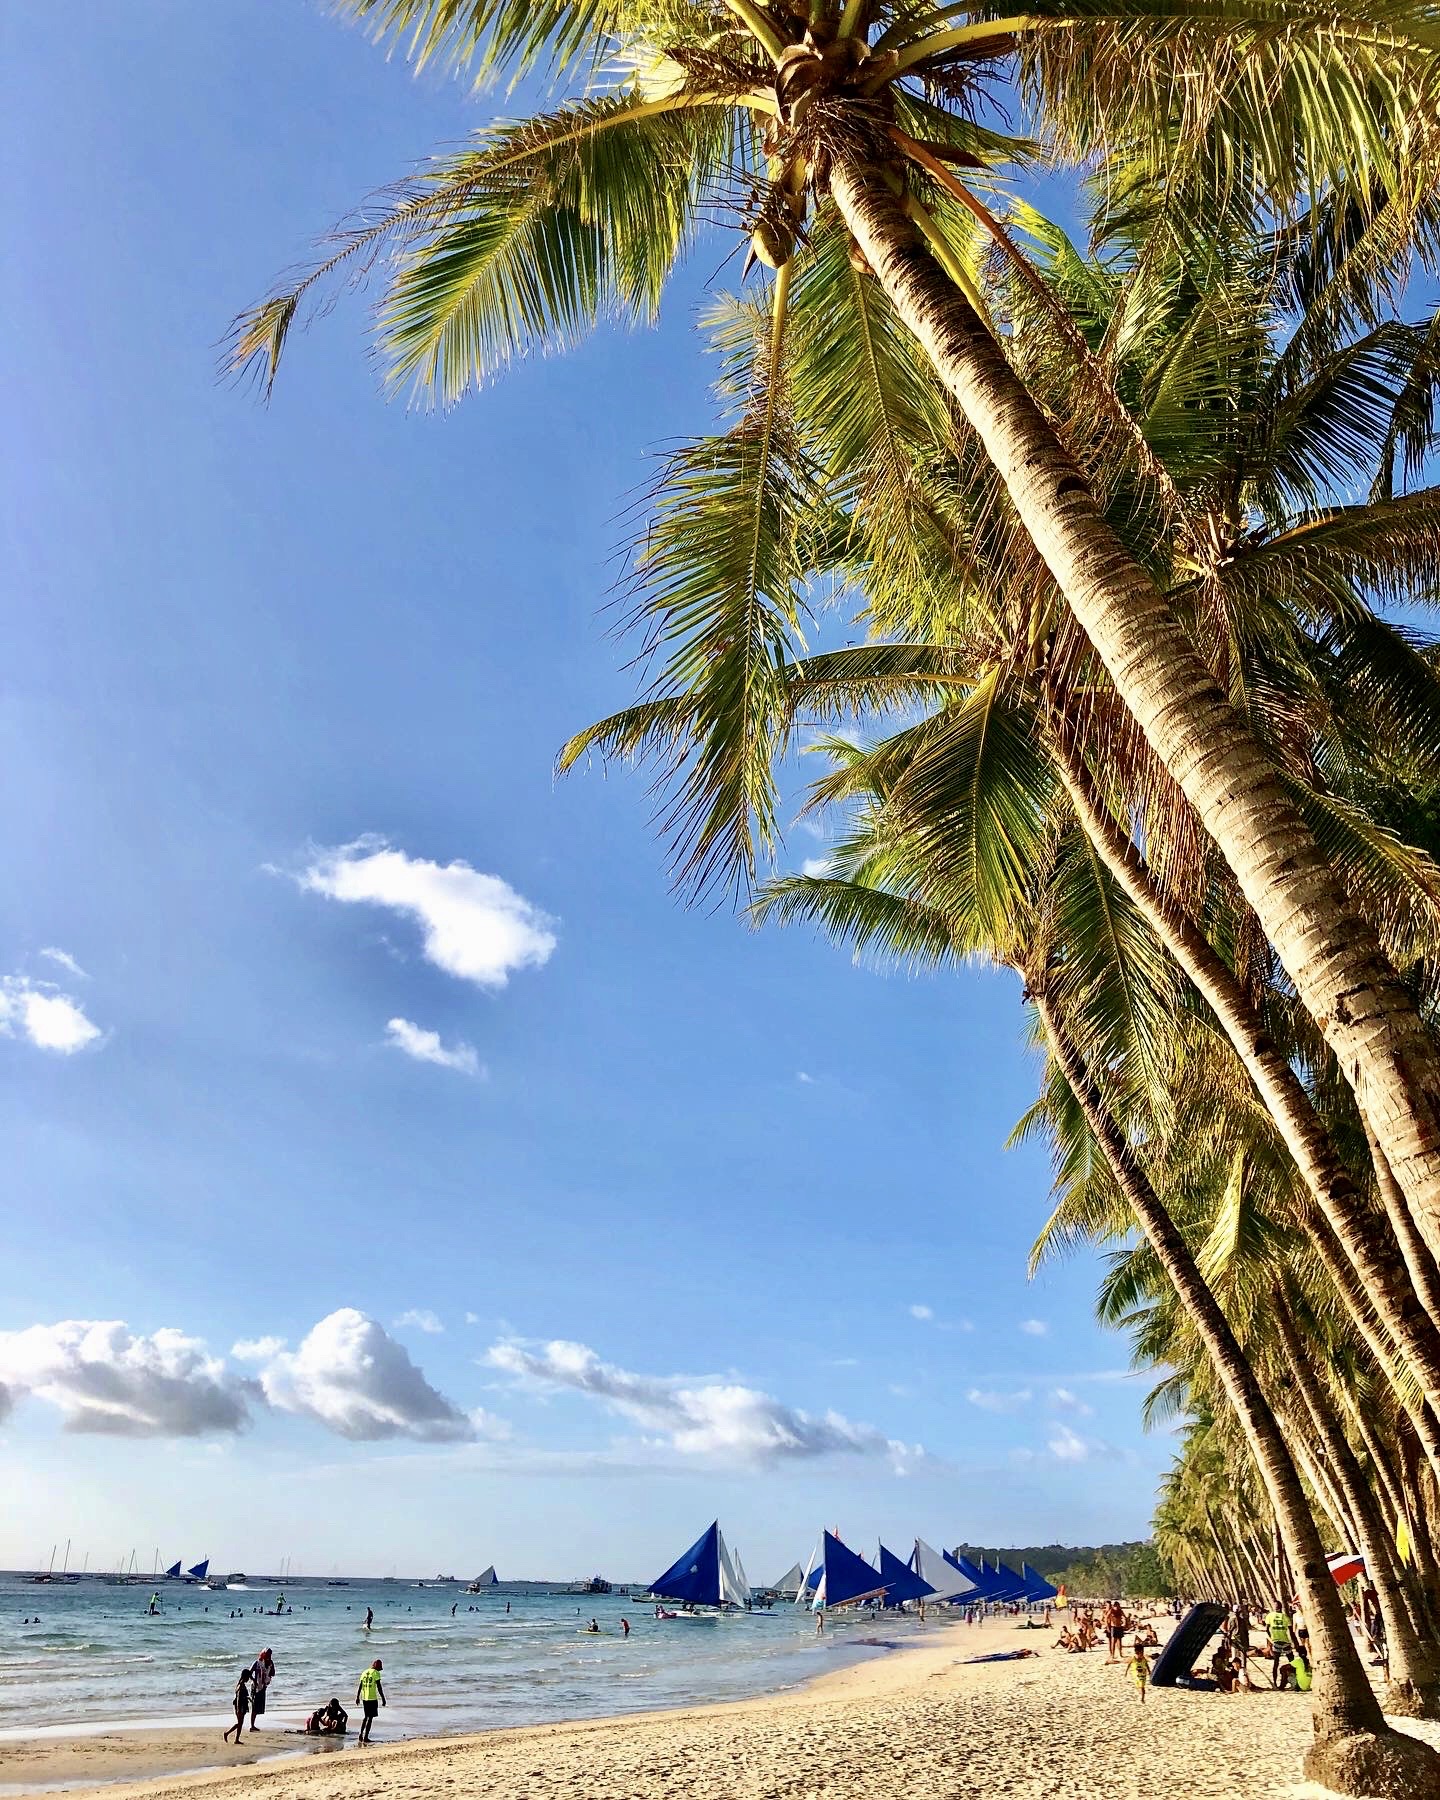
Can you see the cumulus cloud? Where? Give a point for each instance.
(422, 1319)
(997, 1401)
(1066, 1400)
(426, 1046)
(1067, 1445)
(473, 926)
(804, 1079)
(922, 1312)
(352, 1376)
(44, 1016)
(697, 1416)
(816, 867)
(102, 1377)
(1034, 1327)
(66, 962)
(259, 1349)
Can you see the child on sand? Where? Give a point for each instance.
(242, 1705)
(1139, 1667)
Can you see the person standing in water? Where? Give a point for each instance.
(369, 1617)
(369, 1697)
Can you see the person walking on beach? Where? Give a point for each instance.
(262, 1673)
(369, 1697)
(242, 1706)
(1114, 1632)
(1139, 1666)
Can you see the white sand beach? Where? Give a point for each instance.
(918, 1723)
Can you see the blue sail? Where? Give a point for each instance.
(696, 1576)
(1013, 1586)
(988, 1586)
(201, 1570)
(848, 1577)
(173, 1572)
(903, 1583)
(1036, 1586)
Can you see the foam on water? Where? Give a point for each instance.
(95, 1658)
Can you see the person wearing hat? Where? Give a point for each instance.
(369, 1697)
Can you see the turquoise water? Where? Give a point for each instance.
(95, 1658)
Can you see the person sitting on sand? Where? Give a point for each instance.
(1067, 1640)
(1146, 1634)
(242, 1705)
(328, 1721)
(369, 1697)
(1139, 1668)
(1222, 1667)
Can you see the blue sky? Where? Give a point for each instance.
(246, 650)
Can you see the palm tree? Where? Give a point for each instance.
(885, 894)
(861, 112)
(1245, 427)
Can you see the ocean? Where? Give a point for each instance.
(92, 1658)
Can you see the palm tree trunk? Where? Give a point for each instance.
(1328, 947)
(1376, 1255)
(1414, 1676)
(1354, 1751)
(1424, 1272)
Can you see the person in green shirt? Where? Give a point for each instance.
(1277, 1625)
(369, 1697)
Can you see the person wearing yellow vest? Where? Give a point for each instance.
(369, 1697)
(1277, 1625)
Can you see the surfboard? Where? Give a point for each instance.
(1188, 1641)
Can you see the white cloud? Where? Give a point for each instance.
(807, 1080)
(996, 1401)
(1034, 1327)
(352, 1376)
(422, 1319)
(104, 1378)
(256, 1350)
(922, 1312)
(816, 866)
(1067, 1445)
(66, 962)
(473, 926)
(697, 1415)
(40, 1013)
(472, 1318)
(1066, 1401)
(425, 1046)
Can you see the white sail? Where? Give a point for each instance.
(790, 1582)
(732, 1590)
(741, 1577)
(931, 1566)
(802, 1596)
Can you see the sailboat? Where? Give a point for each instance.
(948, 1581)
(904, 1583)
(705, 1576)
(488, 1580)
(199, 1571)
(845, 1577)
(790, 1583)
(173, 1572)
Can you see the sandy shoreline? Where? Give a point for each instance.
(921, 1722)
